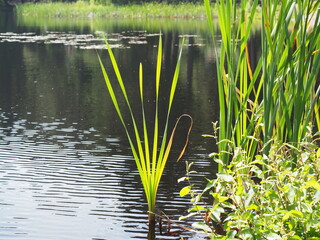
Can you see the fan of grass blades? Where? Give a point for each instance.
(150, 158)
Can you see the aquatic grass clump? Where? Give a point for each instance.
(150, 152)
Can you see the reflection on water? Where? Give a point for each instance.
(59, 178)
(61, 182)
(66, 170)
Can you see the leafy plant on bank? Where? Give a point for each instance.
(150, 151)
(267, 185)
(274, 203)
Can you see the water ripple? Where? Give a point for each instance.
(72, 187)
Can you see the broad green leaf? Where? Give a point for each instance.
(296, 213)
(209, 185)
(231, 234)
(228, 205)
(185, 191)
(273, 236)
(246, 215)
(249, 197)
(246, 234)
(197, 208)
(253, 207)
(313, 183)
(225, 177)
(295, 237)
(291, 194)
(220, 198)
(188, 216)
(306, 207)
(286, 216)
(316, 197)
(305, 156)
(202, 226)
(183, 179)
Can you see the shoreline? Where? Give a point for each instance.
(86, 10)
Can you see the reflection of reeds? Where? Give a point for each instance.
(278, 100)
(150, 158)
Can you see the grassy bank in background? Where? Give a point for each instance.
(86, 10)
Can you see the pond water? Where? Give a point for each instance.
(66, 170)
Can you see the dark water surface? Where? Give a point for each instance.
(66, 170)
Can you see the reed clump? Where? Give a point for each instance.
(278, 99)
(150, 150)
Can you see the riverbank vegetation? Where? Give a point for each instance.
(83, 9)
(267, 184)
(107, 9)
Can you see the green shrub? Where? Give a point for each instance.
(277, 202)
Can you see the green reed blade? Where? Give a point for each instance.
(145, 128)
(156, 117)
(166, 147)
(116, 105)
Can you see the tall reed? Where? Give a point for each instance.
(279, 99)
(290, 68)
(236, 80)
(150, 152)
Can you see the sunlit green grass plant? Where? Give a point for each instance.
(278, 98)
(290, 69)
(237, 82)
(150, 152)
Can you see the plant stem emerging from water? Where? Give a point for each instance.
(150, 156)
